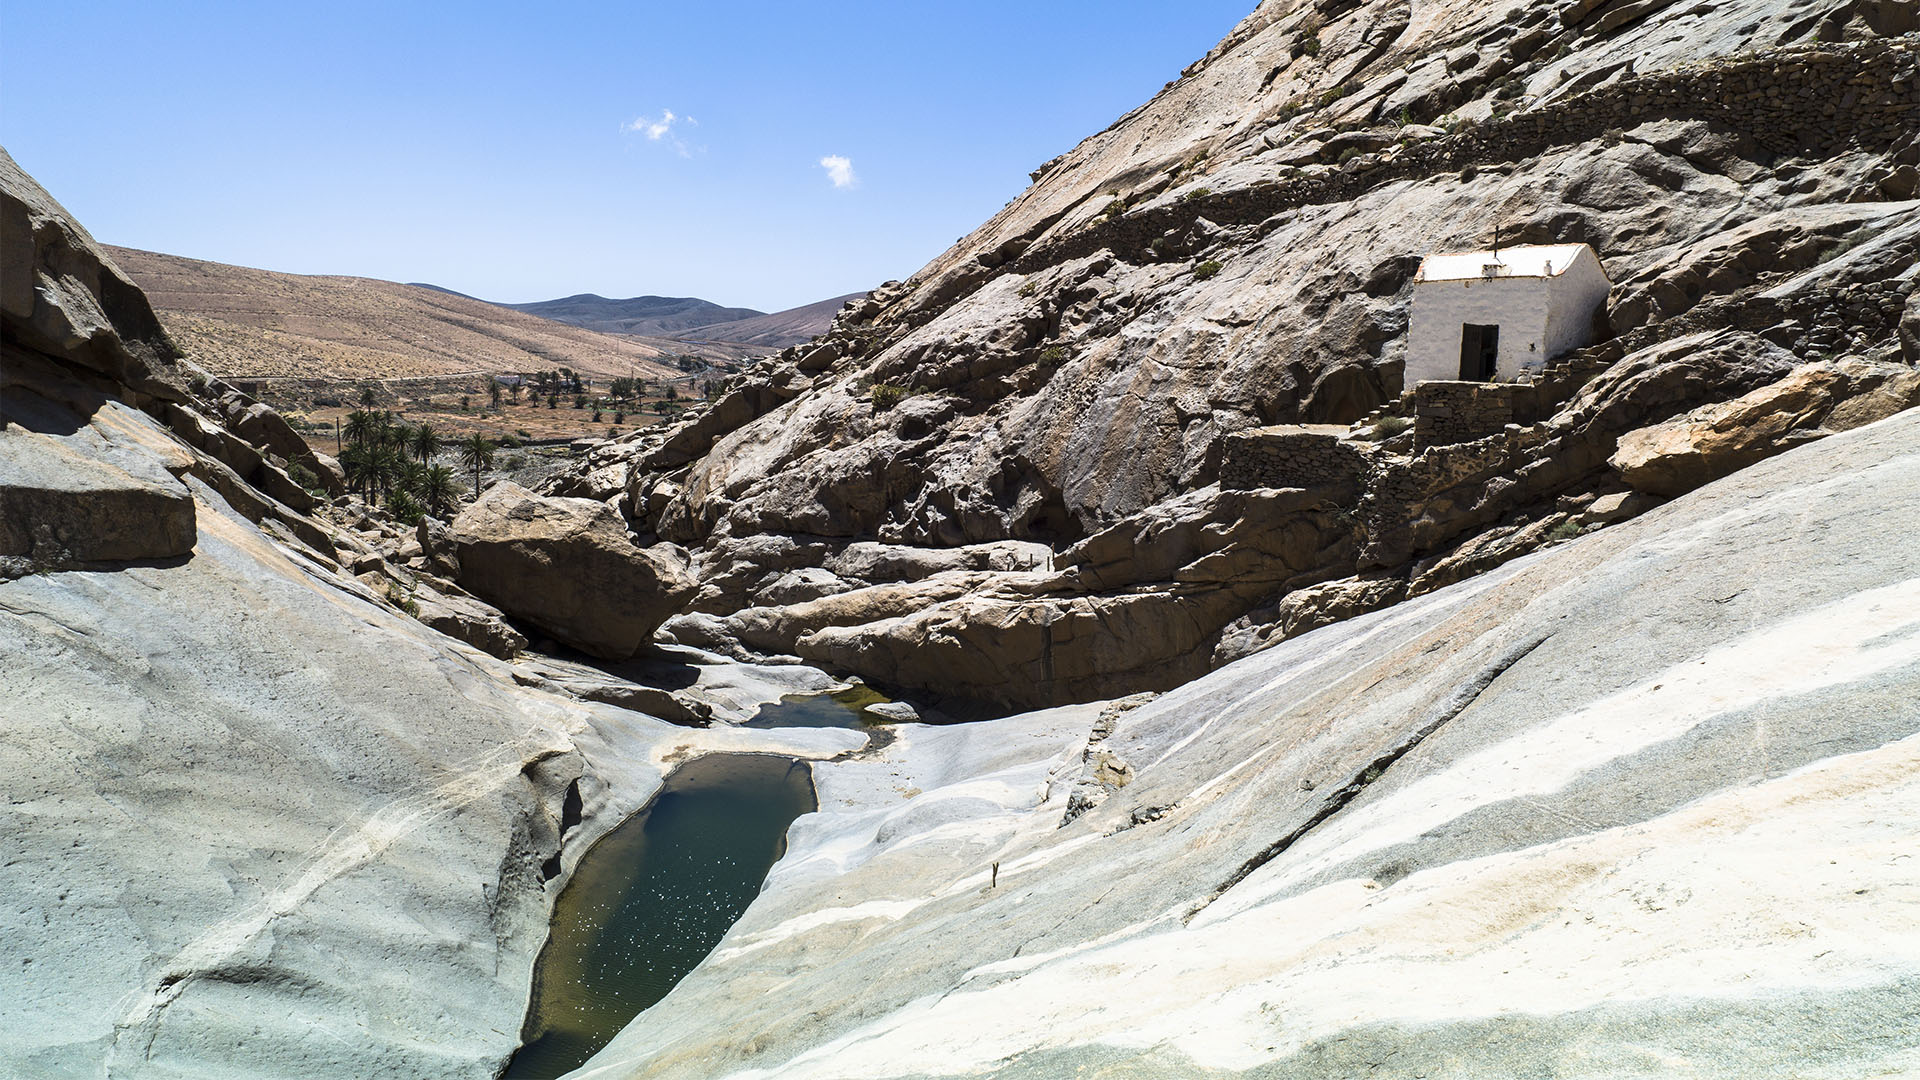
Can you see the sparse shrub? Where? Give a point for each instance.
(1509, 89)
(1390, 426)
(886, 396)
(1206, 270)
(1406, 115)
(1115, 208)
(1329, 96)
(1310, 44)
(1029, 288)
(198, 383)
(1053, 354)
(1566, 530)
(304, 477)
(398, 596)
(1196, 193)
(1349, 154)
(508, 442)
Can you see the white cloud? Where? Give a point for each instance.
(663, 129)
(839, 170)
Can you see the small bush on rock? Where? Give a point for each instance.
(404, 508)
(1206, 270)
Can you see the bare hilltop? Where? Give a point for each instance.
(245, 323)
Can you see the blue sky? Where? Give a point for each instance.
(524, 151)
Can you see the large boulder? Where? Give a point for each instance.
(60, 506)
(1814, 401)
(569, 567)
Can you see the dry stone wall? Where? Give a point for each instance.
(1288, 456)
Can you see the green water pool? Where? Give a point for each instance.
(652, 898)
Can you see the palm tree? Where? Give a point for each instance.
(437, 489)
(408, 475)
(361, 425)
(494, 390)
(385, 470)
(426, 442)
(357, 462)
(476, 453)
(367, 397)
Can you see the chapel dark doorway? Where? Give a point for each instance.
(1479, 349)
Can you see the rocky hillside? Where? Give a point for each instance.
(1054, 464)
(242, 322)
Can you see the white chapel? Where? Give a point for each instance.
(1486, 315)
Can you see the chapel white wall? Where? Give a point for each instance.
(1518, 305)
(1579, 293)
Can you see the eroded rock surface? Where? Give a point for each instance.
(260, 820)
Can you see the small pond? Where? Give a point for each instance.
(652, 898)
(841, 709)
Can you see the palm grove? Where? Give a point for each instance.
(389, 459)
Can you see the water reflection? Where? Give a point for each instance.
(841, 709)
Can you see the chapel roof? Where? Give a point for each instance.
(1521, 260)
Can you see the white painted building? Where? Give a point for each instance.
(1482, 315)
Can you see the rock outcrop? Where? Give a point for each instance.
(1815, 401)
(569, 567)
(1153, 321)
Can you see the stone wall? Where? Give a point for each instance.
(1290, 456)
(1447, 411)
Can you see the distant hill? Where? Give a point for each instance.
(239, 321)
(655, 316)
(778, 330)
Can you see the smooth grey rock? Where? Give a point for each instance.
(898, 712)
(76, 490)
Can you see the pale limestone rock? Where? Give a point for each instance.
(1563, 817)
